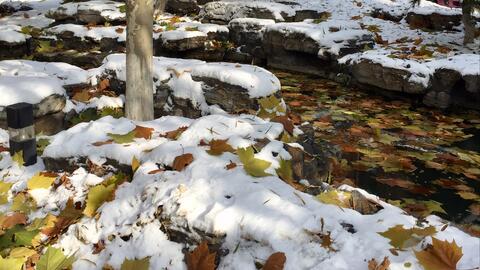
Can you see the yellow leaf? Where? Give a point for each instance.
(135, 164)
(22, 252)
(253, 166)
(96, 197)
(54, 259)
(4, 188)
(11, 263)
(23, 203)
(402, 238)
(441, 255)
(40, 181)
(18, 158)
(335, 197)
(142, 264)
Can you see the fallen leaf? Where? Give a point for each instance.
(105, 83)
(230, 165)
(82, 96)
(12, 219)
(54, 259)
(218, 147)
(40, 181)
(253, 166)
(4, 188)
(402, 238)
(182, 161)
(286, 122)
(441, 255)
(102, 143)
(174, 134)
(143, 132)
(374, 265)
(135, 164)
(123, 138)
(96, 197)
(200, 258)
(142, 264)
(11, 263)
(285, 171)
(276, 261)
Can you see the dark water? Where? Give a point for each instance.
(413, 156)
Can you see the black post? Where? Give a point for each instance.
(22, 131)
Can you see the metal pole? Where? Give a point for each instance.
(22, 131)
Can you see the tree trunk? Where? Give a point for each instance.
(139, 88)
(468, 22)
(159, 7)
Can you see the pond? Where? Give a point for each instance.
(420, 159)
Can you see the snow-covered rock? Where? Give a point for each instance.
(97, 12)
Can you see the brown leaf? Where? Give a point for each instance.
(276, 261)
(143, 132)
(286, 122)
(102, 143)
(327, 241)
(67, 217)
(119, 30)
(82, 96)
(182, 161)
(373, 264)
(201, 258)
(441, 255)
(218, 147)
(98, 247)
(156, 171)
(7, 222)
(231, 165)
(174, 134)
(105, 83)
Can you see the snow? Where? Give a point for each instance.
(96, 33)
(228, 10)
(329, 40)
(14, 89)
(256, 216)
(257, 81)
(12, 34)
(179, 34)
(108, 9)
(32, 18)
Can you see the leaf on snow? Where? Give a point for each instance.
(135, 164)
(201, 258)
(17, 236)
(143, 132)
(253, 166)
(174, 134)
(285, 171)
(182, 161)
(142, 264)
(374, 265)
(54, 259)
(402, 238)
(218, 147)
(441, 255)
(4, 188)
(123, 138)
(276, 261)
(40, 181)
(96, 197)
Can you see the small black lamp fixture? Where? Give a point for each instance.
(22, 131)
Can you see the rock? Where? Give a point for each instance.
(366, 72)
(91, 12)
(193, 40)
(313, 48)
(434, 21)
(248, 32)
(182, 7)
(301, 15)
(385, 15)
(86, 60)
(363, 205)
(224, 12)
(13, 43)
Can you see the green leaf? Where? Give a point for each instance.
(96, 197)
(54, 259)
(17, 236)
(285, 170)
(41, 145)
(402, 238)
(253, 166)
(40, 181)
(142, 264)
(11, 263)
(18, 158)
(4, 188)
(339, 198)
(23, 203)
(122, 138)
(122, 8)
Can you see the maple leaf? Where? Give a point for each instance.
(201, 258)
(23, 202)
(276, 261)
(440, 255)
(54, 259)
(82, 96)
(253, 166)
(374, 265)
(402, 238)
(182, 161)
(96, 197)
(67, 217)
(8, 221)
(286, 122)
(174, 134)
(4, 188)
(218, 147)
(143, 132)
(17, 236)
(22, 252)
(38, 181)
(11, 263)
(123, 138)
(285, 170)
(142, 264)
(105, 83)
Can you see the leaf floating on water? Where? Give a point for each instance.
(440, 255)
(200, 258)
(276, 261)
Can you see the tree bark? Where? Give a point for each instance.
(159, 7)
(139, 85)
(468, 22)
